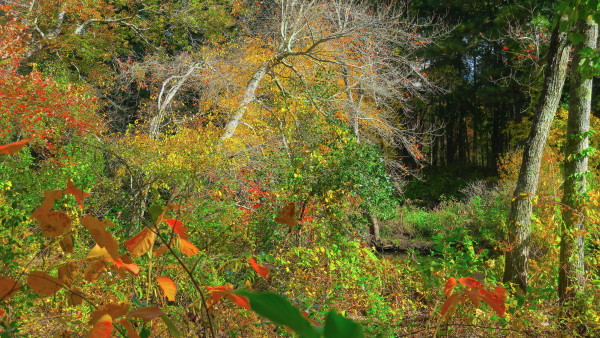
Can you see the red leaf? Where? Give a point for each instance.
(474, 296)
(187, 248)
(218, 292)
(177, 226)
(470, 282)
(168, 287)
(261, 270)
(102, 328)
(450, 284)
(239, 300)
(13, 148)
(78, 193)
(450, 304)
(500, 291)
(494, 301)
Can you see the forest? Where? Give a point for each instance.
(309, 168)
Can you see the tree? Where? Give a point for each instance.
(33, 105)
(519, 220)
(371, 51)
(571, 279)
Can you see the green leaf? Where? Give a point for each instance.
(170, 326)
(576, 37)
(339, 326)
(155, 210)
(280, 311)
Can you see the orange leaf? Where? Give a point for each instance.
(287, 215)
(160, 251)
(13, 148)
(127, 264)
(177, 226)
(102, 328)
(187, 248)
(78, 193)
(47, 204)
(98, 252)
(146, 313)
(54, 223)
(8, 287)
(217, 292)
(261, 270)
(66, 244)
(74, 297)
(470, 282)
(450, 284)
(94, 271)
(43, 284)
(95, 223)
(102, 237)
(450, 304)
(2, 313)
(168, 287)
(116, 310)
(66, 273)
(141, 243)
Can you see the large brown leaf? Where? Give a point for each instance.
(67, 273)
(8, 287)
(43, 284)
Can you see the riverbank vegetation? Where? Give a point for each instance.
(336, 168)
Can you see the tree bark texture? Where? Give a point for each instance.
(519, 220)
(155, 123)
(248, 97)
(571, 280)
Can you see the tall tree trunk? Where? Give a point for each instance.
(571, 278)
(248, 97)
(165, 98)
(519, 232)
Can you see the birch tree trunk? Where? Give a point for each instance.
(162, 105)
(248, 97)
(571, 278)
(519, 220)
